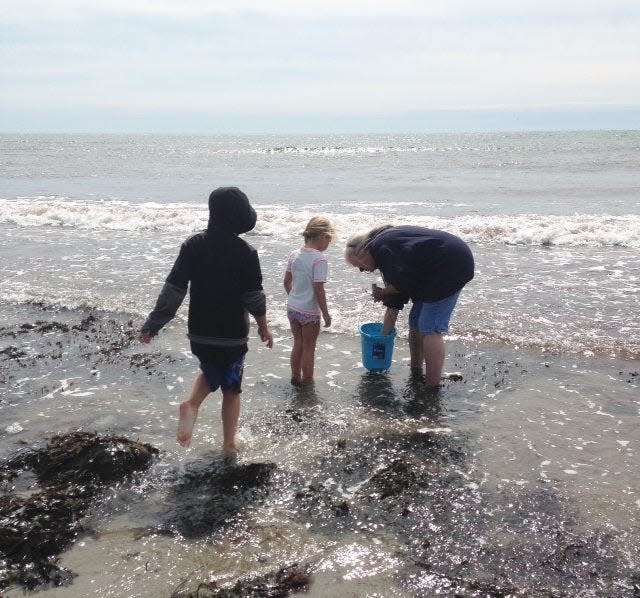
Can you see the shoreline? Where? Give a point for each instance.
(554, 435)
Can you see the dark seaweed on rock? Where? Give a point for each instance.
(82, 457)
(44, 327)
(72, 471)
(279, 584)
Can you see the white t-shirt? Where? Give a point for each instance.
(307, 266)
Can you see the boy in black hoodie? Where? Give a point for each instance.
(222, 272)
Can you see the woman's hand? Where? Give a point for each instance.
(379, 293)
(390, 317)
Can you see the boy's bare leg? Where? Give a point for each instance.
(433, 349)
(230, 416)
(296, 353)
(310, 334)
(189, 410)
(415, 350)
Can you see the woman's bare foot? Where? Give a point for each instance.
(188, 416)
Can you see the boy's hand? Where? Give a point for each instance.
(327, 321)
(266, 337)
(145, 337)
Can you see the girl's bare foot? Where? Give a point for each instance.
(188, 416)
(229, 449)
(230, 453)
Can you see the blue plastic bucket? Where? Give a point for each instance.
(377, 348)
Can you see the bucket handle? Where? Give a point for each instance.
(361, 310)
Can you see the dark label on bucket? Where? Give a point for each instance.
(379, 350)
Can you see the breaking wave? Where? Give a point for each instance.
(280, 221)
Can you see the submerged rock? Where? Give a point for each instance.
(454, 377)
(391, 480)
(211, 493)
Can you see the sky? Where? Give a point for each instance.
(307, 66)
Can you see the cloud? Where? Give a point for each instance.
(363, 9)
(349, 58)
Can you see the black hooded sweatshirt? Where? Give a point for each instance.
(222, 273)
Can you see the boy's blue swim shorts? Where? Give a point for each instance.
(223, 368)
(431, 318)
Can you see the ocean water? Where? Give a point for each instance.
(520, 478)
(552, 218)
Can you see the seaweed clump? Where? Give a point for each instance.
(72, 470)
(279, 584)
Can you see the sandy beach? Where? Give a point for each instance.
(520, 477)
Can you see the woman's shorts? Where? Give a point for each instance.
(222, 367)
(302, 318)
(431, 318)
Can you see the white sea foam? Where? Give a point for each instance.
(283, 222)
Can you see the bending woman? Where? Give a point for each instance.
(428, 267)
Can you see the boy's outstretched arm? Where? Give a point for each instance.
(169, 300)
(171, 296)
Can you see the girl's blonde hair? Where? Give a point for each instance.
(318, 226)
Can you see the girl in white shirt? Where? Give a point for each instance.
(304, 282)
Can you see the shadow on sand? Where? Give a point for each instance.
(376, 390)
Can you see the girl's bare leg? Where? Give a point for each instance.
(230, 416)
(189, 410)
(296, 353)
(310, 334)
(434, 353)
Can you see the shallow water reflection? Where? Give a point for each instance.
(380, 487)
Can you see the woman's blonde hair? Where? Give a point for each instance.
(356, 244)
(359, 243)
(318, 226)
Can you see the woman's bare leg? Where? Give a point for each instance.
(434, 353)
(415, 350)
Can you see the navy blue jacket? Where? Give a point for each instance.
(423, 264)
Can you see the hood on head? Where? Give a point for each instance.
(229, 209)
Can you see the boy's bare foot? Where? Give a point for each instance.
(188, 416)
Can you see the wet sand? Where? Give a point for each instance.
(519, 478)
